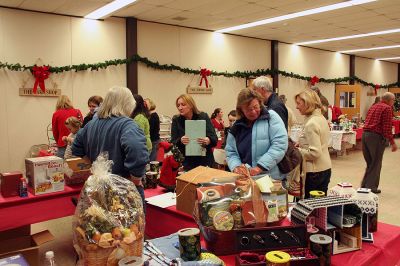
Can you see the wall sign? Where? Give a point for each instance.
(39, 93)
(199, 90)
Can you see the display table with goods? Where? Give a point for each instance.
(226, 235)
(16, 211)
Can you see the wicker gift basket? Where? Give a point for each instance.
(109, 221)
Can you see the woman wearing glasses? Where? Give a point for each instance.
(258, 139)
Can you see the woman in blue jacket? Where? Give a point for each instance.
(258, 138)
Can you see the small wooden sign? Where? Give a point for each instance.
(39, 92)
(199, 90)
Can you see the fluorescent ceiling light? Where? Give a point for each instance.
(350, 37)
(109, 8)
(370, 49)
(297, 14)
(389, 58)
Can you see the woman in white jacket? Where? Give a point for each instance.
(313, 142)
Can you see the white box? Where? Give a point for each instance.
(45, 174)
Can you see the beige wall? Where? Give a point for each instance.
(309, 62)
(56, 40)
(376, 72)
(196, 49)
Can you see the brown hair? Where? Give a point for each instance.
(245, 96)
(311, 100)
(64, 102)
(189, 101)
(73, 121)
(95, 99)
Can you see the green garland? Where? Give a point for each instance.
(171, 67)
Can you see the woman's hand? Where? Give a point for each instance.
(185, 140)
(255, 171)
(64, 138)
(203, 141)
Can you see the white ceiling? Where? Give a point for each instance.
(218, 14)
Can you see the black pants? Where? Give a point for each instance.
(373, 146)
(317, 181)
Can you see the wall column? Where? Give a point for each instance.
(131, 50)
(352, 71)
(275, 63)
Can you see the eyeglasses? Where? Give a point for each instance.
(251, 108)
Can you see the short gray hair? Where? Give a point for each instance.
(387, 96)
(119, 101)
(264, 83)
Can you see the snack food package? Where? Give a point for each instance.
(109, 220)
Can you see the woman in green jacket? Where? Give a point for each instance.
(141, 116)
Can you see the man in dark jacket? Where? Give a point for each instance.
(263, 86)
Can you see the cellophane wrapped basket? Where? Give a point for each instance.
(109, 220)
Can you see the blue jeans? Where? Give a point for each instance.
(61, 151)
(140, 189)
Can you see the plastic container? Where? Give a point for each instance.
(277, 258)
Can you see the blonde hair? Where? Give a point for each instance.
(64, 102)
(152, 105)
(311, 100)
(74, 122)
(189, 101)
(245, 96)
(119, 101)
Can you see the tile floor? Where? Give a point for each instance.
(349, 168)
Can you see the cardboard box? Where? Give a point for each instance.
(10, 183)
(45, 174)
(186, 185)
(27, 246)
(80, 170)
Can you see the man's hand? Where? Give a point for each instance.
(394, 147)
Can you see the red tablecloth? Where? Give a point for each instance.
(396, 125)
(383, 252)
(359, 132)
(17, 211)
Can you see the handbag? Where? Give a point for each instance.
(291, 159)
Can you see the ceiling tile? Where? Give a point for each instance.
(48, 5)
(11, 3)
(158, 13)
(134, 9)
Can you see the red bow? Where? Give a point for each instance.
(40, 73)
(204, 72)
(377, 87)
(314, 80)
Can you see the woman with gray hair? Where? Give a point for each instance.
(114, 132)
(313, 142)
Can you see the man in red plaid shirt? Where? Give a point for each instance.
(377, 128)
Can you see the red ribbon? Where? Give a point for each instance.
(40, 73)
(204, 72)
(314, 80)
(377, 87)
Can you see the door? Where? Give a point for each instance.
(347, 97)
(396, 92)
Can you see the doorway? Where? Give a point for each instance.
(347, 97)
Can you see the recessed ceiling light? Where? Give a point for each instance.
(297, 14)
(370, 49)
(103, 11)
(389, 58)
(351, 37)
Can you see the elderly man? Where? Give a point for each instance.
(263, 86)
(377, 128)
